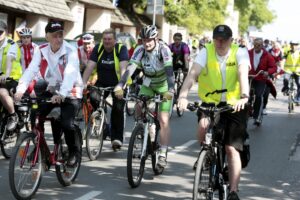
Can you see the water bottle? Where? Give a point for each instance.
(151, 129)
(208, 137)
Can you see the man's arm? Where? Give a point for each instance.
(9, 61)
(190, 80)
(88, 71)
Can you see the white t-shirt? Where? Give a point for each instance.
(242, 58)
(256, 58)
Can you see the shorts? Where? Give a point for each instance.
(164, 106)
(235, 125)
(10, 85)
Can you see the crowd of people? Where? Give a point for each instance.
(220, 63)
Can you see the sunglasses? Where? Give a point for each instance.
(1, 32)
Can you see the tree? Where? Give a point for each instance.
(253, 13)
(201, 15)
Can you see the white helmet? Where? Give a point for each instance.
(25, 32)
(149, 31)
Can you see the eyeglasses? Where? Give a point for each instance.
(1, 32)
(87, 38)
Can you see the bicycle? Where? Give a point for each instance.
(32, 156)
(291, 93)
(97, 124)
(8, 139)
(142, 143)
(177, 87)
(211, 176)
(132, 89)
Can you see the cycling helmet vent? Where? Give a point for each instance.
(149, 31)
(25, 32)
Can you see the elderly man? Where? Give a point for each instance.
(222, 65)
(110, 59)
(10, 56)
(85, 51)
(57, 62)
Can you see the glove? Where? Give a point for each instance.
(119, 92)
(182, 103)
(168, 95)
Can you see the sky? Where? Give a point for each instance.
(287, 24)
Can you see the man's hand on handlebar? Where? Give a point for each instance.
(182, 103)
(18, 96)
(119, 92)
(240, 104)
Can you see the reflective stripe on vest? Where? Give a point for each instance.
(210, 78)
(16, 68)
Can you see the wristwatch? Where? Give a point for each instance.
(244, 96)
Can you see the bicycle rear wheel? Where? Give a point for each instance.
(135, 161)
(65, 174)
(94, 134)
(202, 180)
(8, 141)
(25, 175)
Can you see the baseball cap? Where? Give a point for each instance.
(87, 38)
(53, 27)
(3, 26)
(223, 31)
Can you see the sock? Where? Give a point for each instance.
(163, 150)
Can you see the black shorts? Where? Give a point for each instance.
(10, 85)
(235, 125)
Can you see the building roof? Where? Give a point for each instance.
(101, 3)
(57, 9)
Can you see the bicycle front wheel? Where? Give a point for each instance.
(25, 167)
(202, 180)
(135, 160)
(8, 142)
(65, 174)
(94, 134)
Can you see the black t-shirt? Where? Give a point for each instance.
(106, 66)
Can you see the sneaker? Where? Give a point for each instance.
(285, 90)
(72, 159)
(257, 122)
(162, 161)
(233, 196)
(265, 112)
(12, 122)
(116, 144)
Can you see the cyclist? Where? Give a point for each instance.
(181, 54)
(111, 59)
(155, 59)
(58, 63)
(292, 65)
(222, 65)
(85, 51)
(10, 56)
(260, 59)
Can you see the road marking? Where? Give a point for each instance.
(182, 147)
(89, 195)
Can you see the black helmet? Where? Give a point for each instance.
(149, 31)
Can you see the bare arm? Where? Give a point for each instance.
(123, 65)
(186, 60)
(243, 78)
(88, 71)
(190, 80)
(9, 62)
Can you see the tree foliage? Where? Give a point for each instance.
(201, 15)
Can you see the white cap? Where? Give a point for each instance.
(87, 38)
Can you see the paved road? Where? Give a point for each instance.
(272, 174)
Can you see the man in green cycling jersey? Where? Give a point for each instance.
(155, 59)
(223, 65)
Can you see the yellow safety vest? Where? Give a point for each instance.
(16, 68)
(117, 47)
(210, 78)
(292, 63)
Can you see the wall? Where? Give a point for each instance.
(97, 19)
(72, 29)
(37, 24)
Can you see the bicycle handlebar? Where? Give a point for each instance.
(92, 87)
(209, 108)
(255, 75)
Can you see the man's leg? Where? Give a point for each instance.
(296, 77)
(164, 137)
(8, 104)
(259, 94)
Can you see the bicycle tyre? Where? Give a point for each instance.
(290, 103)
(8, 141)
(67, 175)
(25, 142)
(94, 134)
(201, 185)
(135, 174)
